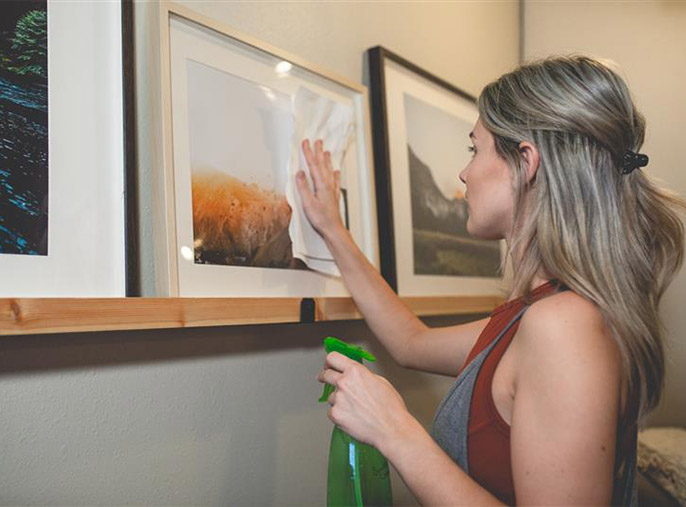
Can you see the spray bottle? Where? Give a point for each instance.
(358, 473)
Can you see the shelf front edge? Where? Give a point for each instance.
(68, 315)
(345, 308)
(23, 316)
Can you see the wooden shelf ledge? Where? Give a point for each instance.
(21, 316)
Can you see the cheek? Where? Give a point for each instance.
(490, 210)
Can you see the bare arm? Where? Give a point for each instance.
(368, 408)
(409, 341)
(564, 418)
(566, 405)
(430, 474)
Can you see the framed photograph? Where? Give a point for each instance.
(62, 219)
(235, 113)
(421, 127)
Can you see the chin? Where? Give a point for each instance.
(477, 232)
(473, 230)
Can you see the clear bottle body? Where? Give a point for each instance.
(358, 474)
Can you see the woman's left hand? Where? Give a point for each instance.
(364, 405)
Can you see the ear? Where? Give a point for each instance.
(529, 154)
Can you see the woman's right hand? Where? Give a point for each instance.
(321, 205)
(388, 317)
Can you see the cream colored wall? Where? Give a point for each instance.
(648, 40)
(224, 416)
(466, 43)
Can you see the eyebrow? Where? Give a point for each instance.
(471, 135)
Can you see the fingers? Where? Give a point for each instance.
(324, 160)
(313, 165)
(304, 189)
(337, 181)
(308, 152)
(320, 156)
(339, 362)
(329, 376)
(318, 162)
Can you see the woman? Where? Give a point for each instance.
(553, 384)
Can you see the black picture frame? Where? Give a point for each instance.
(132, 260)
(377, 58)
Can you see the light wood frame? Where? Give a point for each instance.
(169, 279)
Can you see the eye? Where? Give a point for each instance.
(472, 150)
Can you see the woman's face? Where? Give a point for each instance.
(489, 194)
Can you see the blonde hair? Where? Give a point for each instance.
(615, 239)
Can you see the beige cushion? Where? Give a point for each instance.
(662, 458)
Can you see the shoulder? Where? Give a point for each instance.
(552, 321)
(562, 308)
(567, 391)
(566, 333)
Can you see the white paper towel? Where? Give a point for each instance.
(316, 117)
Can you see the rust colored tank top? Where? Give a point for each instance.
(488, 438)
(469, 429)
(489, 435)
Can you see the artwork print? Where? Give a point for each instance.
(23, 127)
(437, 151)
(240, 135)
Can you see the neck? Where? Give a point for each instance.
(516, 255)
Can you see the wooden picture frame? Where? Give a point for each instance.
(196, 48)
(419, 120)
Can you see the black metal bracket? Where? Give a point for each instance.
(307, 310)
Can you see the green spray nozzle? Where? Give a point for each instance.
(354, 352)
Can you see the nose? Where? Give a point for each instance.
(461, 176)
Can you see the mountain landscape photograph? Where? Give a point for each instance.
(436, 153)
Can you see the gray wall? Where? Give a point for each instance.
(223, 416)
(648, 40)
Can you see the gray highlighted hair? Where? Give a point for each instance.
(617, 240)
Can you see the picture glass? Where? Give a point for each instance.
(240, 135)
(436, 143)
(23, 127)
(428, 128)
(239, 115)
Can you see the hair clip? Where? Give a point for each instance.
(633, 160)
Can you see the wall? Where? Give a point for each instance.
(648, 41)
(224, 416)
